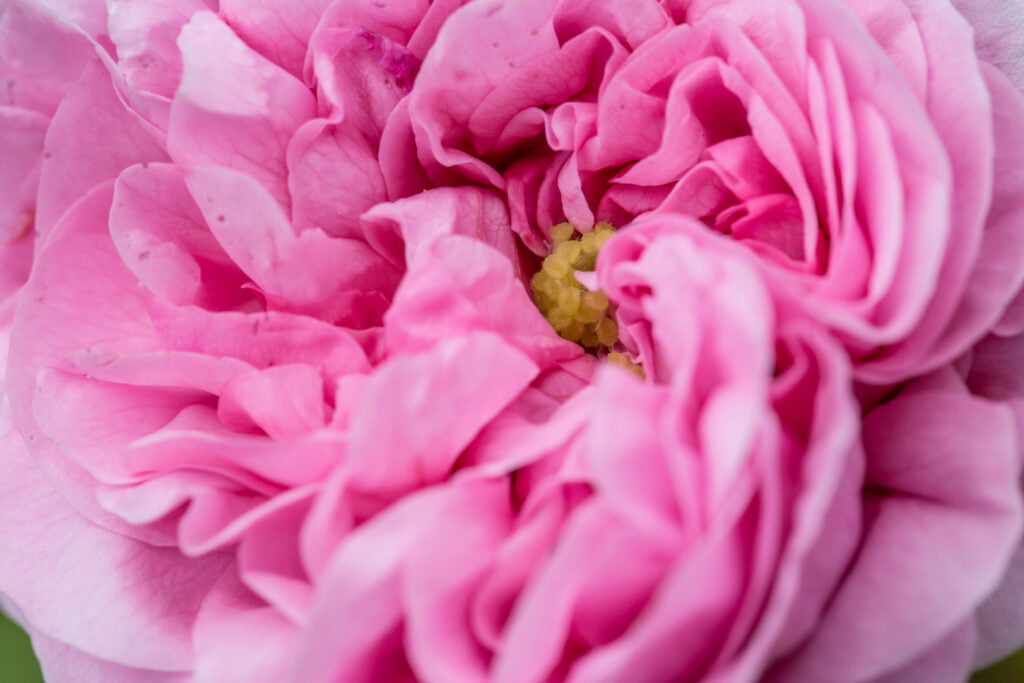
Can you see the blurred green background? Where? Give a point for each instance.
(17, 665)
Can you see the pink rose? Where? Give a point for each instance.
(860, 148)
(284, 398)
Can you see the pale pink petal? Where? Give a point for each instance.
(162, 237)
(458, 285)
(182, 370)
(999, 263)
(153, 500)
(997, 372)
(219, 518)
(1000, 619)
(15, 265)
(109, 596)
(145, 35)
(104, 308)
(402, 229)
(38, 79)
(88, 15)
(92, 138)
(21, 146)
(633, 22)
(282, 400)
(997, 33)
(237, 637)
(947, 661)
(826, 513)
(334, 176)
(261, 339)
(484, 30)
(277, 29)
(962, 117)
(403, 175)
(336, 278)
(237, 111)
(446, 563)
(364, 577)
(938, 537)
(269, 557)
(461, 383)
(413, 23)
(247, 458)
(515, 563)
(61, 662)
(590, 546)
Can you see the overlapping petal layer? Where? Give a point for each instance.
(276, 373)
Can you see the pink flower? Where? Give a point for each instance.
(861, 149)
(283, 395)
(655, 531)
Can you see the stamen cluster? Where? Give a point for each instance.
(577, 313)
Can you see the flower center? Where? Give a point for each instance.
(578, 314)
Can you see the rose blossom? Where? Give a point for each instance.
(279, 406)
(859, 148)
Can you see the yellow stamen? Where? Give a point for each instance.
(607, 331)
(596, 300)
(557, 267)
(574, 332)
(575, 312)
(622, 360)
(569, 300)
(570, 251)
(562, 232)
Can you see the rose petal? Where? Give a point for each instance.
(932, 502)
(132, 603)
(277, 29)
(91, 139)
(238, 111)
